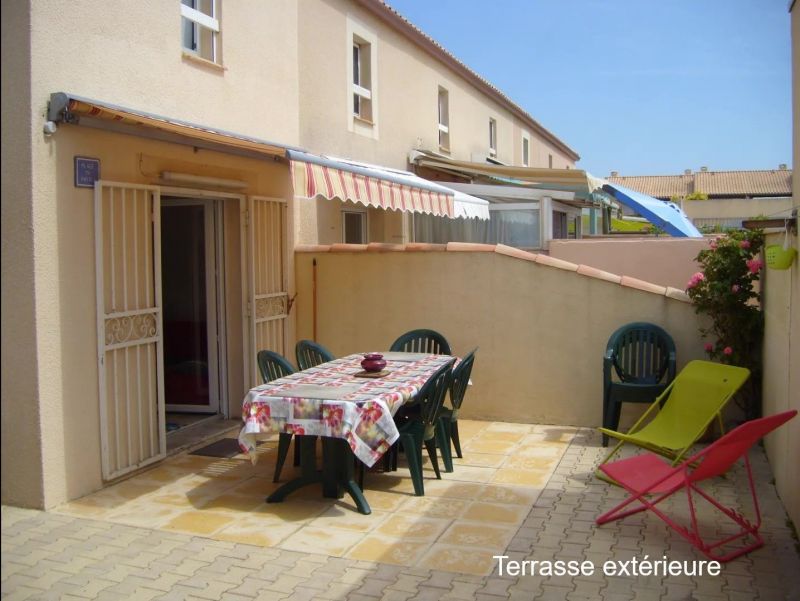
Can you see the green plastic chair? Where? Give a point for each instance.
(684, 410)
(310, 354)
(421, 429)
(642, 357)
(273, 366)
(448, 418)
(421, 341)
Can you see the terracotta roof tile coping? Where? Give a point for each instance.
(642, 285)
(385, 247)
(425, 247)
(509, 251)
(593, 272)
(312, 248)
(469, 247)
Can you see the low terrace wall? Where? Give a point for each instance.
(541, 324)
(664, 261)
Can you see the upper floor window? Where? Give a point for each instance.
(526, 152)
(200, 22)
(362, 79)
(492, 138)
(444, 119)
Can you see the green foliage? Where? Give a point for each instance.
(725, 290)
(618, 225)
(697, 196)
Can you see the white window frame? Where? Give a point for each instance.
(199, 19)
(364, 223)
(443, 118)
(492, 137)
(359, 35)
(526, 149)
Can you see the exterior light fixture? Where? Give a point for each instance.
(202, 180)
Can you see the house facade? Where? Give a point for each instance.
(733, 196)
(151, 206)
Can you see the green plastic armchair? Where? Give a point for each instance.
(421, 341)
(310, 354)
(639, 363)
(273, 366)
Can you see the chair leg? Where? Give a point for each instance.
(413, 449)
(455, 438)
(443, 442)
(284, 440)
(430, 445)
(613, 408)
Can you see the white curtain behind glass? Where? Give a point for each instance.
(519, 228)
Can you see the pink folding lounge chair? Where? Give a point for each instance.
(650, 474)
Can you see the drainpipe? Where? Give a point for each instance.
(314, 299)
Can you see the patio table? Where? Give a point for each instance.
(352, 414)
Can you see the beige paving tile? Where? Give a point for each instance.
(434, 507)
(458, 559)
(481, 445)
(411, 527)
(145, 514)
(479, 459)
(292, 510)
(380, 500)
(344, 518)
(512, 495)
(470, 427)
(475, 534)
(535, 478)
(453, 489)
(231, 502)
(500, 436)
(385, 549)
(552, 450)
(252, 531)
(469, 473)
(495, 513)
(524, 462)
(509, 427)
(321, 540)
(198, 522)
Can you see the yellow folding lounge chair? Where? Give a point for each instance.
(683, 412)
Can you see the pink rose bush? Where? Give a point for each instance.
(726, 292)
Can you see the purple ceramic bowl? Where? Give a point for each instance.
(373, 362)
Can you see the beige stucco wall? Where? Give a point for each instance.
(21, 430)
(781, 388)
(130, 54)
(407, 80)
(782, 330)
(735, 208)
(65, 301)
(664, 261)
(541, 330)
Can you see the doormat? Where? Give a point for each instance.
(224, 448)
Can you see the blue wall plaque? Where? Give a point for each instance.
(87, 172)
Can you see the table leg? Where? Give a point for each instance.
(337, 475)
(308, 465)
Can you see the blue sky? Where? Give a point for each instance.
(637, 86)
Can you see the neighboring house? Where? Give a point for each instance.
(733, 196)
(152, 287)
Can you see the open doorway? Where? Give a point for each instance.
(192, 301)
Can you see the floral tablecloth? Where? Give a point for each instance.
(363, 416)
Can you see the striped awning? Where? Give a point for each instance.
(316, 176)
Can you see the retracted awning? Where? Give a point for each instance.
(69, 108)
(381, 187)
(588, 189)
(666, 215)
